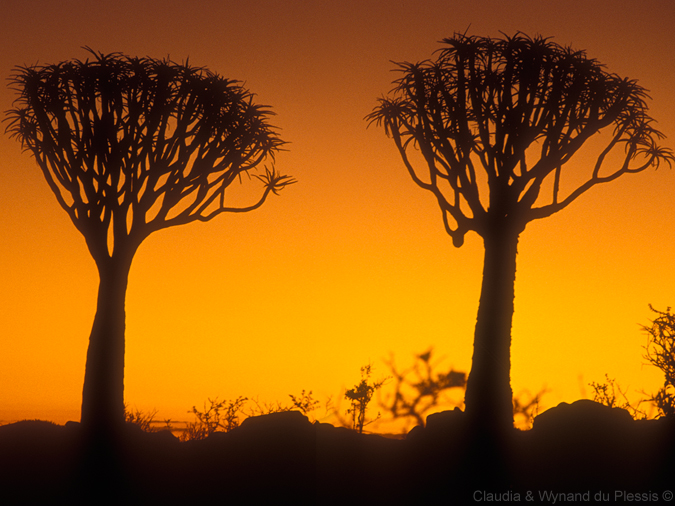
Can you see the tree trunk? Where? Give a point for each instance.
(489, 398)
(103, 392)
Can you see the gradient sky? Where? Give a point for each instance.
(352, 263)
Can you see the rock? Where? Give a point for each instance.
(445, 421)
(582, 416)
(415, 433)
(586, 443)
(275, 421)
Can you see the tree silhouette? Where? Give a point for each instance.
(130, 146)
(487, 128)
(419, 389)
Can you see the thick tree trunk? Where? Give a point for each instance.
(489, 398)
(103, 392)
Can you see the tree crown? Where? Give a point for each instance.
(131, 145)
(483, 102)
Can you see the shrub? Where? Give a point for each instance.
(140, 418)
(526, 407)
(360, 397)
(608, 394)
(223, 415)
(660, 352)
(420, 388)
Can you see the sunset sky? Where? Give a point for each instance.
(352, 263)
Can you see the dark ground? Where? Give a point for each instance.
(582, 448)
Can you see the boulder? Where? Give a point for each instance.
(584, 443)
(445, 421)
(582, 417)
(275, 421)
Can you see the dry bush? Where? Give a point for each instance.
(660, 352)
(217, 415)
(421, 388)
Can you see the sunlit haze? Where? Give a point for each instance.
(352, 264)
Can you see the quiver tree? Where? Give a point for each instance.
(130, 146)
(489, 128)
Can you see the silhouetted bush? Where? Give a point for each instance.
(144, 420)
(610, 394)
(305, 403)
(660, 352)
(223, 415)
(419, 389)
(526, 407)
(360, 396)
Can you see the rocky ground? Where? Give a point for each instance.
(582, 452)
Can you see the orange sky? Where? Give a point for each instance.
(352, 263)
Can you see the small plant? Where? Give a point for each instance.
(605, 393)
(360, 396)
(223, 415)
(526, 407)
(140, 418)
(611, 395)
(265, 408)
(304, 403)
